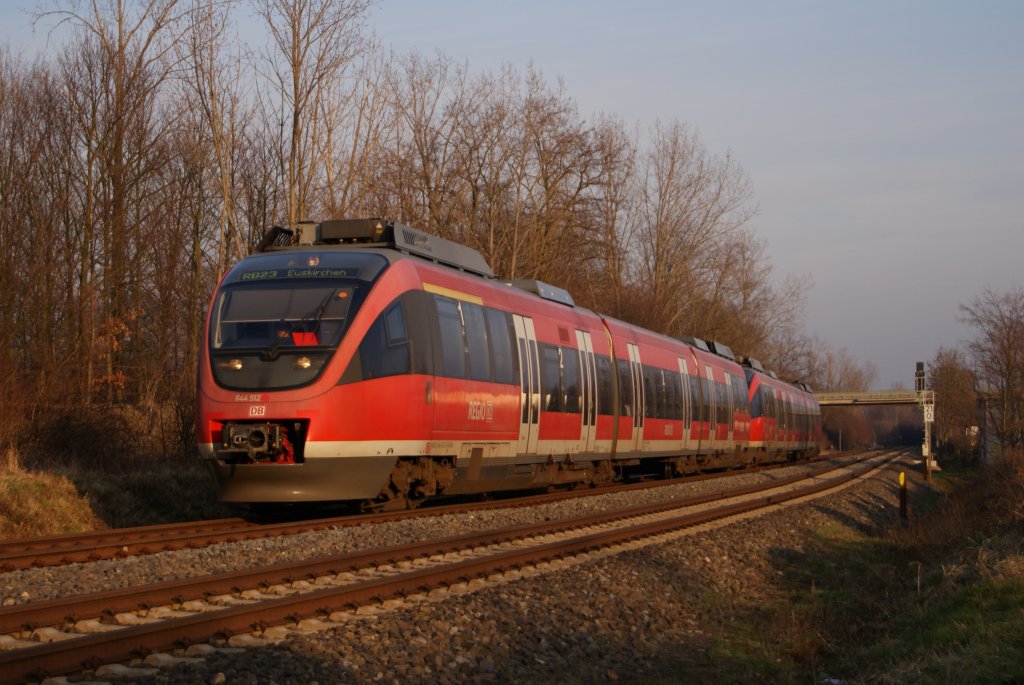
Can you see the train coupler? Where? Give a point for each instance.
(256, 442)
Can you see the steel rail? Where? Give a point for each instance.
(73, 540)
(122, 644)
(105, 544)
(71, 609)
(122, 542)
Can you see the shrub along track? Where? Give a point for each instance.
(305, 594)
(123, 542)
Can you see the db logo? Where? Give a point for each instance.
(258, 410)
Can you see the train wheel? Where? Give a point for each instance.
(602, 473)
(411, 481)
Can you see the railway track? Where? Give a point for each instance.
(123, 542)
(83, 632)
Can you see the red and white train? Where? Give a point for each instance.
(366, 361)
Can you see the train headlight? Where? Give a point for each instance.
(303, 362)
(233, 364)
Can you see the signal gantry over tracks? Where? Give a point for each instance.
(873, 397)
(921, 397)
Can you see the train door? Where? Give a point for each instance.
(730, 431)
(684, 402)
(711, 404)
(636, 373)
(695, 397)
(529, 383)
(588, 384)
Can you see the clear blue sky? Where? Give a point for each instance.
(884, 138)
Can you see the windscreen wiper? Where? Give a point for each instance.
(272, 352)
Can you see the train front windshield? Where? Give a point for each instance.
(297, 316)
(279, 317)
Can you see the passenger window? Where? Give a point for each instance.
(550, 378)
(476, 341)
(453, 351)
(675, 395)
(707, 388)
(499, 332)
(571, 379)
(696, 402)
(383, 352)
(394, 322)
(755, 402)
(625, 388)
(664, 406)
(650, 392)
(722, 408)
(605, 388)
(739, 395)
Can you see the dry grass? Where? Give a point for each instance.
(103, 466)
(70, 498)
(33, 504)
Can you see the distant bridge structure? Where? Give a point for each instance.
(921, 397)
(850, 399)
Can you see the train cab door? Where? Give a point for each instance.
(588, 385)
(636, 372)
(529, 380)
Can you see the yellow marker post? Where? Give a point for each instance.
(903, 495)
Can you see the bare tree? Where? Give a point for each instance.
(956, 404)
(612, 218)
(354, 126)
(214, 87)
(692, 207)
(428, 98)
(486, 140)
(561, 165)
(842, 371)
(998, 357)
(34, 270)
(313, 41)
(133, 43)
